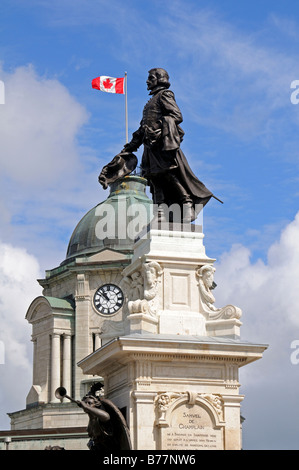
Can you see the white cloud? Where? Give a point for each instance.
(268, 294)
(18, 287)
(44, 182)
(269, 289)
(38, 130)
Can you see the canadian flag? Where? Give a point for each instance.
(109, 84)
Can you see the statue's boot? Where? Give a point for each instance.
(188, 213)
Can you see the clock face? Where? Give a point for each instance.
(108, 299)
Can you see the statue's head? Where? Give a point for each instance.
(152, 270)
(206, 272)
(157, 77)
(91, 400)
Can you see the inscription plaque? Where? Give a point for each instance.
(191, 427)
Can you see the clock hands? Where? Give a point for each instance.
(105, 296)
(108, 299)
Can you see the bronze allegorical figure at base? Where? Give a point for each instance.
(107, 428)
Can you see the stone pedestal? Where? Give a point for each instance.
(177, 392)
(172, 297)
(174, 366)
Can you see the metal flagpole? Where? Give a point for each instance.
(126, 108)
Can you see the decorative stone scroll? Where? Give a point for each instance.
(190, 421)
(205, 276)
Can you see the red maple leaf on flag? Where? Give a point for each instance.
(107, 84)
(110, 84)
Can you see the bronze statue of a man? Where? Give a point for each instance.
(163, 164)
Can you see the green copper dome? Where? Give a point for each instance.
(115, 222)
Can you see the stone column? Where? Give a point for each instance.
(55, 366)
(67, 364)
(82, 332)
(97, 341)
(34, 374)
(233, 435)
(142, 428)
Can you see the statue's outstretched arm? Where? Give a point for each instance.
(94, 411)
(136, 141)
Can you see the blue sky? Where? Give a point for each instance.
(231, 65)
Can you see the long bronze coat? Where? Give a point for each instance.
(161, 136)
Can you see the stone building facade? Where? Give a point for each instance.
(66, 324)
